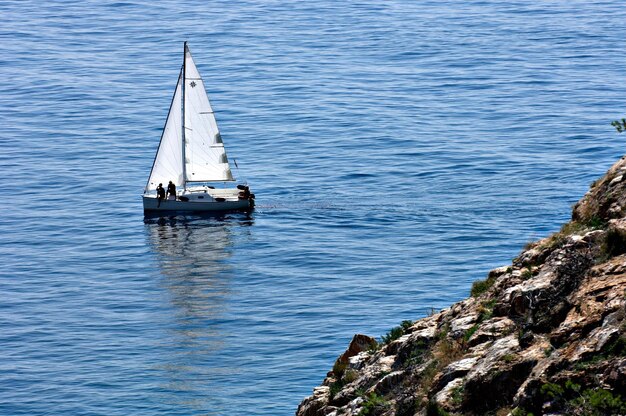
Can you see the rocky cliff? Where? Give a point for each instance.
(544, 335)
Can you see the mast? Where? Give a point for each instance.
(183, 118)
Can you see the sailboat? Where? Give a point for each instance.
(191, 155)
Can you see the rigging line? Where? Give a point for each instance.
(238, 172)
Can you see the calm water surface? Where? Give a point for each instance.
(399, 150)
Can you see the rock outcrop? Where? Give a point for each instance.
(545, 335)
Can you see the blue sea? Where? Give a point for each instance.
(399, 150)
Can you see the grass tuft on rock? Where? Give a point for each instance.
(558, 239)
(520, 411)
(335, 388)
(396, 332)
(433, 409)
(339, 368)
(481, 286)
(615, 242)
(597, 402)
(468, 334)
(373, 403)
(591, 401)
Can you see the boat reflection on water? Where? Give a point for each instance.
(192, 254)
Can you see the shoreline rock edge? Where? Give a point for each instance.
(544, 335)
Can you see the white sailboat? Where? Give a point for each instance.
(191, 155)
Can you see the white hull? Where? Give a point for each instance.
(150, 203)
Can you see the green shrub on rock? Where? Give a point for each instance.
(373, 402)
(392, 335)
(598, 402)
(519, 411)
(481, 286)
(396, 332)
(433, 409)
(615, 242)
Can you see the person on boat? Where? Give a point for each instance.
(245, 193)
(160, 194)
(171, 191)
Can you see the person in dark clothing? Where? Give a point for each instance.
(160, 194)
(171, 191)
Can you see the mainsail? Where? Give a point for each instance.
(168, 163)
(204, 153)
(205, 157)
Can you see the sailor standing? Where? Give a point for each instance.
(171, 191)
(160, 194)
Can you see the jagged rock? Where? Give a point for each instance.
(457, 309)
(616, 180)
(389, 382)
(366, 381)
(413, 347)
(554, 321)
(540, 302)
(493, 356)
(358, 344)
(593, 237)
(446, 397)
(460, 326)
(315, 404)
(597, 296)
(534, 255)
(494, 380)
(453, 371)
(492, 329)
(499, 271)
(615, 375)
(602, 196)
(358, 361)
(426, 333)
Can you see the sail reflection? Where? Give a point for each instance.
(192, 254)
